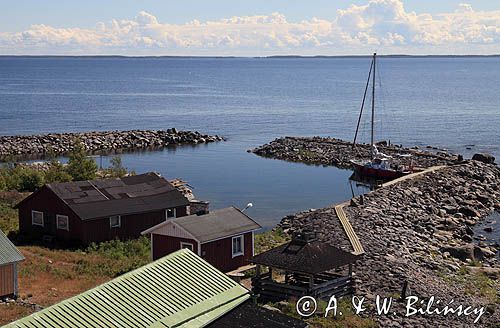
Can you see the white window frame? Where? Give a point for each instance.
(33, 212)
(119, 221)
(172, 217)
(242, 252)
(59, 216)
(191, 245)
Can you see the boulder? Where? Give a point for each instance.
(460, 252)
(485, 158)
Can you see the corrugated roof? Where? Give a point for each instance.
(306, 257)
(216, 224)
(178, 290)
(117, 196)
(8, 252)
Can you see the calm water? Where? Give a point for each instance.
(447, 102)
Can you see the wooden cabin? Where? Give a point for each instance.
(10, 257)
(100, 210)
(303, 267)
(224, 237)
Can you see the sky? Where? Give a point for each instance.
(249, 28)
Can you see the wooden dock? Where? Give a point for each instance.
(353, 238)
(412, 175)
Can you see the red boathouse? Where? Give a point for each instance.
(100, 210)
(224, 237)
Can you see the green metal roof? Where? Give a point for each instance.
(8, 252)
(178, 290)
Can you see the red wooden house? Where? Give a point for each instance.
(224, 238)
(100, 210)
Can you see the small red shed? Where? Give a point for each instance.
(224, 237)
(100, 210)
(9, 260)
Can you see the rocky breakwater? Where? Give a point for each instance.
(336, 152)
(60, 143)
(418, 231)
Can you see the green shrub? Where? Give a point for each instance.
(116, 170)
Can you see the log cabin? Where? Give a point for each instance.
(89, 211)
(223, 237)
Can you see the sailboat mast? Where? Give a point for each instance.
(373, 102)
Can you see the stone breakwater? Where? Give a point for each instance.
(336, 152)
(420, 231)
(60, 143)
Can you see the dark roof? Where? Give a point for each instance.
(133, 194)
(8, 252)
(249, 315)
(214, 225)
(305, 257)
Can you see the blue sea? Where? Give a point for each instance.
(449, 102)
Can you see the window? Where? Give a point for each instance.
(62, 222)
(186, 245)
(115, 221)
(237, 246)
(170, 213)
(37, 218)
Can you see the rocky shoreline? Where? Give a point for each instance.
(336, 152)
(95, 141)
(419, 231)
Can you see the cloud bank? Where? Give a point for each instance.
(382, 25)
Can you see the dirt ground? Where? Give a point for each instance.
(49, 276)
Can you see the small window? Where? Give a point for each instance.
(237, 246)
(115, 221)
(170, 213)
(37, 218)
(62, 222)
(187, 245)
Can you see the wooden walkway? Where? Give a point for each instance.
(412, 175)
(353, 238)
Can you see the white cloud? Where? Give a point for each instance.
(382, 25)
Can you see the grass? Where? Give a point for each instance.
(475, 283)
(270, 239)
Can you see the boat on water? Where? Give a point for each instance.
(379, 166)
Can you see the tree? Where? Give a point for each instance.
(56, 172)
(80, 167)
(116, 170)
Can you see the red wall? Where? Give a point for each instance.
(47, 202)
(164, 245)
(95, 230)
(218, 253)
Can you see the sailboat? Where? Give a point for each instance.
(380, 165)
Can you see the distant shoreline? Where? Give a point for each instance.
(251, 57)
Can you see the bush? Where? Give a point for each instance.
(20, 178)
(116, 170)
(56, 173)
(30, 180)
